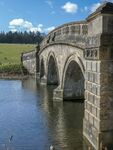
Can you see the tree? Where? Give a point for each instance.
(21, 37)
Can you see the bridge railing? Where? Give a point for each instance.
(74, 32)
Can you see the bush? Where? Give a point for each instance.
(11, 68)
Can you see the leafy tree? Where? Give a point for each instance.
(21, 37)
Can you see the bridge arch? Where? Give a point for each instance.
(52, 70)
(73, 78)
(42, 68)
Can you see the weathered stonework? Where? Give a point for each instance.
(98, 118)
(30, 61)
(78, 58)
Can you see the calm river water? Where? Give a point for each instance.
(30, 120)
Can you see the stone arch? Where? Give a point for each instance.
(73, 78)
(52, 70)
(42, 68)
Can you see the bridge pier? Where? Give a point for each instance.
(43, 80)
(58, 94)
(98, 118)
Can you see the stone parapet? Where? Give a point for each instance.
(70, 33)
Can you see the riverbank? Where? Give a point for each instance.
(13, 76)
(13, 71)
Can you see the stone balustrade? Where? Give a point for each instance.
(72, 33)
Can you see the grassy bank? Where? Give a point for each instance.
(12, 71)
(10, 59)
(10, 53)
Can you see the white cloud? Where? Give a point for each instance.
(34, 29)
(24, 25)
(38, 28)
(27, 24)
(21, 23)
(40, 25)
(70, 7)
(16, 22)
(94, 7)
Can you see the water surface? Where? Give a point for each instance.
(28, 113)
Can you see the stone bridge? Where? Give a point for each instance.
(78, 58)
(62, 62)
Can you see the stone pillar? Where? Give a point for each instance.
(43, 80)
(98, 117)
(37, 62)
(58, 94)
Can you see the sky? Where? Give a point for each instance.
(43, 15)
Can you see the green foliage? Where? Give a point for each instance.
(11, 53)
(10, 58)
(11, 68)
(21, 37)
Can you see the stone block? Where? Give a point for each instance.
(91, 119)
(94, 66)
(89, 86)
(89, 65)
(97, 124)
(85, 104)
(88, 106)
(98, 113)
(91, 134)
(94, 89)
(58, 95)
(90, 97)
(98, 88)
(94, 111)
(86, 95)
(98, 67)
(86, 115)
(96, 100)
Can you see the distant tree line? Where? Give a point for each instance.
(21, 37)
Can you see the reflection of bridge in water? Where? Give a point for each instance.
(63, 120)
(78, 58)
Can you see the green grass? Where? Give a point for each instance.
(11, 68)
(11, 53)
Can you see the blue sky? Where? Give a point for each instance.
(43, 15)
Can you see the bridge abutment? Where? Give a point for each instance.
(98, 118)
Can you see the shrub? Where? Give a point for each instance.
(11, 68)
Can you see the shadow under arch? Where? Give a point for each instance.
(42, 68)
(52, 70)
(73, 79)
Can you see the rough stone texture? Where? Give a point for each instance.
(89, 44)
(29, 61)
(99, 80)
(63, 55)
(74, 33)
